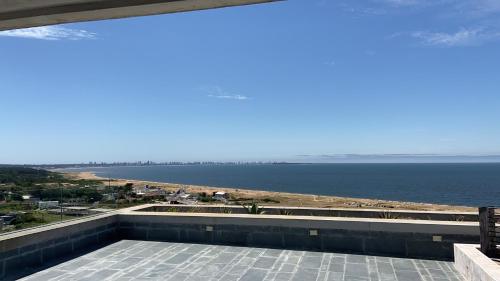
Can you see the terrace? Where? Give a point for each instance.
(137, 243)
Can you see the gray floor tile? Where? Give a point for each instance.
(141, 260)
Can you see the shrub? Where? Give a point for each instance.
(254, 208)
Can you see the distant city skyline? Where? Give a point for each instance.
(294, 81)
(301, 159)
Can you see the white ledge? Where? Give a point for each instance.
(474, 265)
(16, 14)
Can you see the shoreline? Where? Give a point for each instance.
(284, 198)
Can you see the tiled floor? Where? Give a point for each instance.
(139, 260)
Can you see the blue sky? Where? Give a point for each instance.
(297, 80)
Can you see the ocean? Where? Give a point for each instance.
(471, 184)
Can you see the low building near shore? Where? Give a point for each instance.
(108, 196)
(181, 197)
(221, 196)
(149, 191)
(48, 204)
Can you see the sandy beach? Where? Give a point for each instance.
(284, 199)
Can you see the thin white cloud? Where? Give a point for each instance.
(422, 3)
(50, 33)
(402, 3)
(370, 53)
(456, 8)
(218, 93)
(447, 140)
(384, 7)
(478, 8)
(230, 97)
(463, 37)
(396, 155)
(330, 63)
(361, 9)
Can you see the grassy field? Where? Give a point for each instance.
(34, 218)
(19, 181)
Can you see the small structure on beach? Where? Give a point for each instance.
(181, 197)
(220, 196)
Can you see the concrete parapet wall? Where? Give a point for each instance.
(405, 238)
(327, 212)
(474, 265)
(32, 248)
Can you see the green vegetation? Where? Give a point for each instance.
(26, 177)
(388, 215)
(205, 198)
(270, 200)
(285, 212)
(37, 218)
(17, 181)
(254, 208)
(172, 209)
(250, 200)
(36, 185)
(121, 191)
(119, 204)
(226, 210)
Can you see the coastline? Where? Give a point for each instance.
(284, 198)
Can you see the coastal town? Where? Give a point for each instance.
(76, 207)
(42, 202)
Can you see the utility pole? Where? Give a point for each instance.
(60, 202)
(113, 192)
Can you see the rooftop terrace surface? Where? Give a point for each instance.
(141, 260)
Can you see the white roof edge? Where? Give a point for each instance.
(16, 14)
